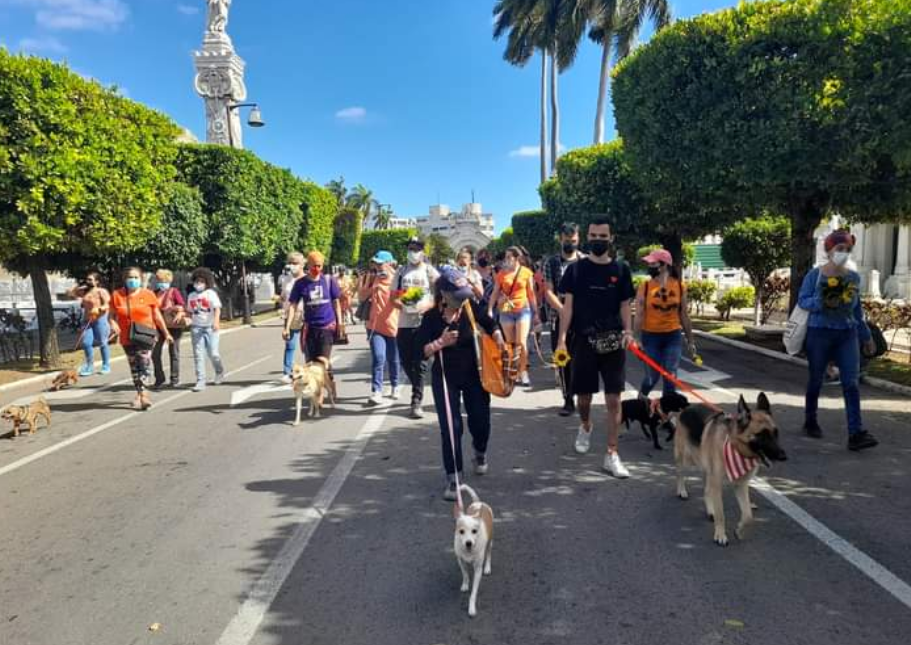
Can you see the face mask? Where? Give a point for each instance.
(314, 271)
(654, 271)
(296, 269)
(415, 257)
(164, 286)
(133, 283)
(483, 263)
(200, 286)
(510, 264)
(599, 247)
(840, 258)
(569, 247)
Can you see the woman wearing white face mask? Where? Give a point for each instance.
(836, 329)
(205, 310)
(295, 271)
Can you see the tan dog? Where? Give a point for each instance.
(64, 380)
(726, 448)
(312, 381)
(473, 543)
(27, 415)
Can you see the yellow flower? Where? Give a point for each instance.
(697, 360)
(833, 282)
(561, 358)
(847, 296)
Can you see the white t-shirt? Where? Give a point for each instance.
(424, 276)
(202, 306)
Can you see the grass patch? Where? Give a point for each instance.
(727, 329)
(896, 370)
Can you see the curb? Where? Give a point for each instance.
(882, 384)
(49, 376)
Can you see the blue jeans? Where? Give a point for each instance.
(842, 347)
(205, 341)
(385, 351)
(290, 349)
(99, 330)
(665, 349)
(477, 406)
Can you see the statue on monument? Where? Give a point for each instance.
(218, 16)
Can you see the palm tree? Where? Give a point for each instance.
(383, 219)
(617, 23)
(337, 188)
(361, 198)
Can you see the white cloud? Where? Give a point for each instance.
(188, 9)
(530, 151)
(76, 15)
(354, 114)
(42, 45)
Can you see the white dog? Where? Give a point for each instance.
(473, 543)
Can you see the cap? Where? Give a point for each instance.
(383, 257)
(453, 281)
(659, 255)
(416, 241)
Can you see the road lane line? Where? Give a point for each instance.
(16, 465)
(867, 565)
(249, 616)
(70, 394)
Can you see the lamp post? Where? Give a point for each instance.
(255, 120)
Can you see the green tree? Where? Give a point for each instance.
(394, 240)
(346, 243)
(82, 171)
(319, 209)
(535, 231)
(361, 198)
(383, 219)
(438, 250)
(797, 107)
(502, 242)
(759, 246)
(337, 188)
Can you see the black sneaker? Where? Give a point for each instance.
(568, 409)
(813, 430)
(861, 441)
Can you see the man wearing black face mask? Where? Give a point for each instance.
(602, 326)
(554, 268)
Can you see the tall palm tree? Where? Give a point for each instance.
(361, 198)
(383, 219)
(616, 23)
(337, 188)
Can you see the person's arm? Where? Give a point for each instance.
(427, 302)
(810, 297)
(532, 296)
(335, 292)
(494, 298)
(177, 298)
(476, 284)
(863, 329)
(488, 324)
(640, 310)
(105, 297)
(566, 320)
(626, 315)
(161, 324)
(294, 303)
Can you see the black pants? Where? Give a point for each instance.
(317, 343)
(477, 406)
(566, 373)
(413, 362)
(173, 354)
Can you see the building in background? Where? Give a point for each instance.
(469, 228)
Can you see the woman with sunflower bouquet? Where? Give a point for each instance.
(835, 332)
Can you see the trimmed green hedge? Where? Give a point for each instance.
(346, 244)
(395, 241)
(319, 208)
(536, 232)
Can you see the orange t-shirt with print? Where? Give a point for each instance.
(143, 304)
(384, 315)
(662, 306)
(514, 287)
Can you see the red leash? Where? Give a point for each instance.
(635, 349)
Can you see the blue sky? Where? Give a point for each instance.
(409, 97)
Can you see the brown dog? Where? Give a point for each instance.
(64, 380)
(312, 381)
(726, 448)
(27, 415)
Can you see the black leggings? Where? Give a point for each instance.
(140, 365)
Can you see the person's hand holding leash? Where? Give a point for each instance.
(449, 337)
(628, 340)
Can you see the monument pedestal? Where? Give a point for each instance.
(220, 82)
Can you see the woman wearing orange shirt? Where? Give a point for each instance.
(383, 325)
(514, 297)
(136, 306)
(662, 320)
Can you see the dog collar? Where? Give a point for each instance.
(735, 464)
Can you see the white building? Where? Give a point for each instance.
(882, 255)
(471, 227)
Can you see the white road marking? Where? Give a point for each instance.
(16, 465)
(71, 394)
(860, 560)
(247, 393)
(249, 616)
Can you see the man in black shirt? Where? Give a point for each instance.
(601, 324)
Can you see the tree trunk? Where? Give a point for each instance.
(543, 116)
(602, 91)
(757, 303)
(806, 216)
(47, 328)
(554, 112)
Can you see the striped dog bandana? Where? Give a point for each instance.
(736, 465)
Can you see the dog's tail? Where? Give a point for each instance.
(468, 489)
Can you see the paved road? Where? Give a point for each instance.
(226, 525)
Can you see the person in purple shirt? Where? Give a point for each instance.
(319, 295)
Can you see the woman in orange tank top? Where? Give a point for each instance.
(662, 320)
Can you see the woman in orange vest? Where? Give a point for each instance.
(514, 297)
(662, 319)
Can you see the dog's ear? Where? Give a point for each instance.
(743, 413)
(763, 404)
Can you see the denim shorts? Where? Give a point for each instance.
(514, 317)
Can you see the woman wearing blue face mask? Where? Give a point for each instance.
(173, 309)
(138, 308)
(835, 332)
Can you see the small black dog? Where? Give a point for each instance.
(652, 414)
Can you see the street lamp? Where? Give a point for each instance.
(255, 120)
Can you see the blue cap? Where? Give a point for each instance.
(383, 257)
(454, 282)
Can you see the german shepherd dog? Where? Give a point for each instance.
(725, 447)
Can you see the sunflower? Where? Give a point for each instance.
(561, 358)
(833, 281)
(697, 360)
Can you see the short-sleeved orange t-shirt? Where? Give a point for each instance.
(143, 304)
(514, 287)
(384, 315)
(662, 306)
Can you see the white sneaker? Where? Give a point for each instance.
(583, 440)
(524, 381)
(614, 466)
(396, 393)
(200, 386)
(286, 379)
(375, 399)
(219, 378)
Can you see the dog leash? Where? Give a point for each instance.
(635, 349)
(452, 440)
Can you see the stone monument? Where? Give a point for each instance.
(220, 78)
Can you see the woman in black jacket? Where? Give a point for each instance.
(446, 335)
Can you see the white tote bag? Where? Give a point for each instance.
(795, 334)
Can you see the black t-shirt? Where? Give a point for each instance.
(460, 359)
(598, 290)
